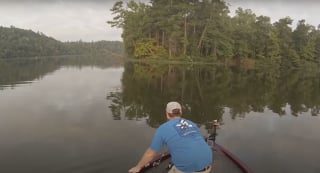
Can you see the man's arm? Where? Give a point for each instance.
(147, 157)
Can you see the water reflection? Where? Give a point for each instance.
(205, 91)
(15, 72)
(60, 124)
(61, 121)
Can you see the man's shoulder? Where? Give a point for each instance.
(167, 125)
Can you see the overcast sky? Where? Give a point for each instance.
(72, 20)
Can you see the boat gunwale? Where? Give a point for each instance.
(155, 162)
(244, 167)
(164, 156)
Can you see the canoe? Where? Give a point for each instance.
(224, 162)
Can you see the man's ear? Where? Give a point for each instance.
(168, 117)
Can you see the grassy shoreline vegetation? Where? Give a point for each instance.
(195, 30)
(16, 43)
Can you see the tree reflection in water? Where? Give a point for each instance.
(206, 90)
(26, 70)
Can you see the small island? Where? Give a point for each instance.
(205, 31)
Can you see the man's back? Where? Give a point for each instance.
(185, 142)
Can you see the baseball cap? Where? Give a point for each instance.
(173, 108)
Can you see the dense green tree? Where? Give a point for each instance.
(243, 33)
(289, 55)
(131, 19)
(15, 42)
(266, 44)
(316, 34)
(193, 29)
(172, 33)
(215, 40)
(303, 40)
(18, 43)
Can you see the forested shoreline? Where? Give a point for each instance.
(204, 30)
(21, 43)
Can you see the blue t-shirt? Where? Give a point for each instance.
(189, 151)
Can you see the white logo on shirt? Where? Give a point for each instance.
(183, 124)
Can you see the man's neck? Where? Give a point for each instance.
(172, 118)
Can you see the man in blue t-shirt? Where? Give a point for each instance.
(189, 151)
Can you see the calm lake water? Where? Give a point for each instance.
(73, 116)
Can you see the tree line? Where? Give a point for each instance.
(17, 43)
(194, 28)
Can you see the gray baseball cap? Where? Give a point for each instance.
(171, 106)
